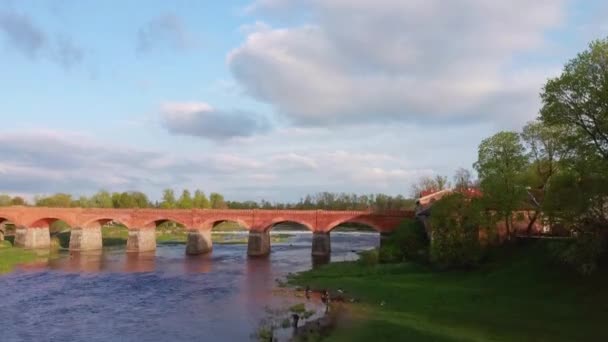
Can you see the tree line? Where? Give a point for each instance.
(555, 167)
(199, 200)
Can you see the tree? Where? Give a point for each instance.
(81, 202)
(5, 200)
(547, 146)
(102, 199)
(59, 200)
(577, 194)
(501, 161)
(116, 199)
(126, 201)
(168, 201)
(463, 179)
(579, 96)
(185, 200)
(18, 200)
(455, 222)
(200, 200)
(217, 201)
(429, 184)
(140, 199)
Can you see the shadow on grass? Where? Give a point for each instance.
(383, 330)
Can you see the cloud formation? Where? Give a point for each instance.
(199, 119)
(24, 36)
(166, 30)
(37, 162)
(362, 61)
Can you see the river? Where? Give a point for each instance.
(163, 296)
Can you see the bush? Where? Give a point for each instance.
(408, 242)
(369, 258)
(390, 253)
(582, 253)
(455, 224)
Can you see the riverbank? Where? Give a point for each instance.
(518, 295)
(11, 256)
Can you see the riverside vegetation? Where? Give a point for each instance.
(504, 287)
(10, 256)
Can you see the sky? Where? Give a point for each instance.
(269, 99)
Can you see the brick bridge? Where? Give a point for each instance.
(32, 225)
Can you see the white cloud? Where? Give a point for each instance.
(362, 61)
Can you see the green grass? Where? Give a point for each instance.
(11, 256)
(518, 296)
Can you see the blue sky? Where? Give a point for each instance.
(271, 98)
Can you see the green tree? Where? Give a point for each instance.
(217, 201)
(5, 200)
(168, 201)
(185, 200)
(200, 200)
(81, 202)
(140, 199)
(116, 199)
(126, 200)
(102, 199)
(577, 195)
(500, 165)
(455, 222)
(547, 147)
(59, 200)
(579, 96)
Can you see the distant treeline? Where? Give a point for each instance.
(198, 199)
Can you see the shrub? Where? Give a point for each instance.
(412, 240)
(455, 224)
(582, 253)
(369, 258)
(408, 242)
(389, 253)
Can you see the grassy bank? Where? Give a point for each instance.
(518, 296)
(11, 256)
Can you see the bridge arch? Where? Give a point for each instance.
(8, 219)
(163, 219)
(356, 220)
(212, 223)
(267, 227)
(47, 221)
(102, 221)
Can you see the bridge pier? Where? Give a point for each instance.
(141, 240)
(33, 238)
(258, 243)
(87, 239)
(199, 242)
(321, 244)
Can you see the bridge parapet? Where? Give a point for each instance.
(33, 224)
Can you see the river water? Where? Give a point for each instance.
(163, 296)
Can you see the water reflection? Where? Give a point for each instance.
(320, 260)
(111, 295)
(90, 261)
(140, 262)
(198, 263)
